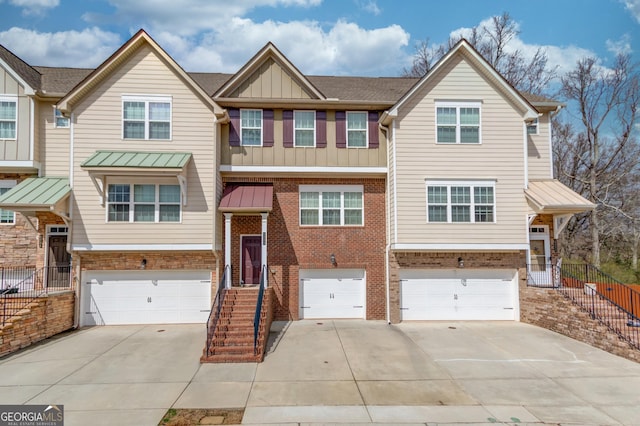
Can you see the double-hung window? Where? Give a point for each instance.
(331, 205)
(532, 127)
(458, 122)
(251, 127)
(461, 202)
(7, 217)
(59, 120)
(146, 117)
(143, 203)
(8, 117)
(304, 128)
(357, 129)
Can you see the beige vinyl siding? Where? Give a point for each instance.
(99, 126)
(270, 80)
(20, 148)
(278, 155)
(54, 146)
(538, 147)
(499, 157)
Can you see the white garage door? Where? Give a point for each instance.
(332, 293)
(458, 294)
(145, 297)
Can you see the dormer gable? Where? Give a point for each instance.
(269, 75)
(19, 70)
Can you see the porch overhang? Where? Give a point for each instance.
(38, 194)
(246, 198)
(550, 196)
(137, 163)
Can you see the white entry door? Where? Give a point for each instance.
(458, 294)
(145, 297)
(540, 268)
(332, 293)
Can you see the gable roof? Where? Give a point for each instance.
(20, 70)
(470, 53)
(269, 51)
(120, 56)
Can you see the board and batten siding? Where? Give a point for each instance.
(278, 155)
(18, 149)
(54, 151)
(538, 148)
(499, 157)
(99, 126)
(270, 81)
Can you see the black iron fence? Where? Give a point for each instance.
(607, 300)
(19, 286)
(258, 314)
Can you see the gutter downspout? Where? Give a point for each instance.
(385, 129)
(78, 275)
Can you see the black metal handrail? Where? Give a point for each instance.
(19, 286)
(605, 299)
(216, 307)
(256, 318)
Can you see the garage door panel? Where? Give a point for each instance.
(332, 294)
(458, 295)
(145, 297)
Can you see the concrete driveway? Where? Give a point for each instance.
(331, 372)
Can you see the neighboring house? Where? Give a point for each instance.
(374, 198)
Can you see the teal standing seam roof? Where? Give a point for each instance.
(133, 159)
(36, 192)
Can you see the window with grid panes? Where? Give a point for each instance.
(331, 205)
(461, 202)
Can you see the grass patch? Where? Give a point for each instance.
(194, 417)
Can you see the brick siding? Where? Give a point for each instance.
(18, 242)
(45, 317)
(292, 247)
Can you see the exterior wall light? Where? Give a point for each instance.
(460, 262)
(143, 264)
(333, 259)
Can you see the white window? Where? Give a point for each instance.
(532, 127)
(60, 120)
(357, 130)
(458, 122)
(8, 117)
(304, 125)
(331, 205)
(461, 202)
(143, 203)
(146, 117)
(251, 127)
(7, 217)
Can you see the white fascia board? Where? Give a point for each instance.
(458, 247)
(304, 169)
(141, 247)
(20, 164)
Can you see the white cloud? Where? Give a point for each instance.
(620, 47)
(35, 7)
(370, 6)
(87, 48)
(633, 6)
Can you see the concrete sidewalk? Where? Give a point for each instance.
(353, 372)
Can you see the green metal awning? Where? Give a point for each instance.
(137, 160)
(36, 194)
(137, 163)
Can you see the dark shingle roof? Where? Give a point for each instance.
(24, 70)
(59, 81)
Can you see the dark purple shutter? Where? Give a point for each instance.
(234, 127)
(267, 127)
(287, 128)
(374, 134)
(341, 130)
(321, 129)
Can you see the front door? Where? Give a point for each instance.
(540, 264)
(59, 261)
(251, 259)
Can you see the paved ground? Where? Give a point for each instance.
(331, 372)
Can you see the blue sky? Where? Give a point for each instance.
(328, 37)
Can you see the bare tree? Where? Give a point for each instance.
(529, 74)
(603, 153)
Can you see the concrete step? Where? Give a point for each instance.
(231, 358)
